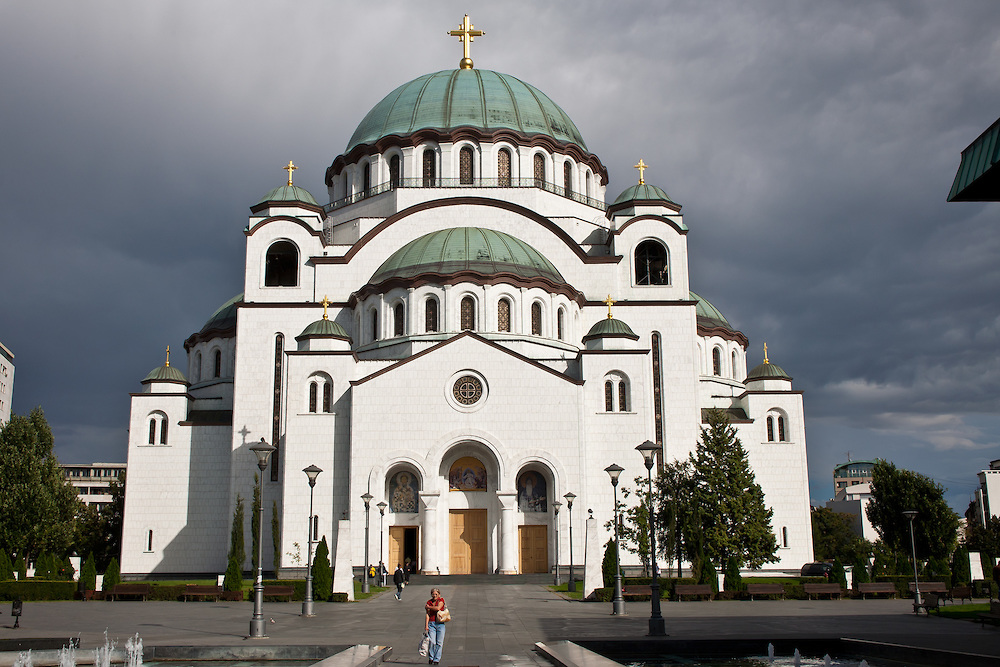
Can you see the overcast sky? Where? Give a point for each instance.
(812, 145)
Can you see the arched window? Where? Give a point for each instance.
(503, 168)
(281, 265)
(327, 397)
(503, 315)
(784, 536)
(539, 170)
(149, 540)
(651, 265)
(395, 172)
(590, 192)
(468, 314)
(567, 178)
(465, 170)
(622, 397)
(367, 179)
(716, 361)
(781, 430)
(770, 429)
(397, 320)
(196, 371)
(152, 430)
(609, 396)
(218, 363)
(312, 396)
(734, 365)
(430, 168)
(431, 315)
(163, 431)
(560, 318)
(536, 319)
(374, 317)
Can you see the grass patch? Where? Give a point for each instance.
(562, 588)
(965, 612)
(375, 590)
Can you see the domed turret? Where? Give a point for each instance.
(767, 371)
(609, 333)
(323, 334)
(165, 374)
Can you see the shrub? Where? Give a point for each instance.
(66, 570)
(112, 575)
(234, 575)
(6, 568)
(298, 586)
(709, 576)
(608, 564)
(861, 570)
(837, 574)
(21, 567)
(961, 572)
(339, 597)
(32, 589)
(88, 574)
(733, 581)
(322, 574)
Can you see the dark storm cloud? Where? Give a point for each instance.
(811, 144)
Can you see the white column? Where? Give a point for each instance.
(508, 532)
(429, 551)
(593, 557)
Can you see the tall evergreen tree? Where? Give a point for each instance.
(322, 573)
(236, 549)
(255, 526)
(6, 567)
(112, 575)
(275, 535)
(88, 574)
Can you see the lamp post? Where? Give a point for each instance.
(312, 472)
(657, 626)
(367, 497)
(381, 515)
(571, 584)
(556, 504)
(911, 515)
(618, 603)
(263, 452)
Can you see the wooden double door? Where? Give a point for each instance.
(533, 546)
(402, 545)
(467, 540)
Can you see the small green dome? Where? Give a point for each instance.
(164, 373)
(483, 251)
(610, 328)
(643, 192)
(767, 371)
(289, 193)
(709, 315)
(225, 317)
(325, 329)
(476, 98)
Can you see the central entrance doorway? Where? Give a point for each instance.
(467, 537)
(534, 547)
(402, 545)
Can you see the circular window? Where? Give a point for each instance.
(468, 390)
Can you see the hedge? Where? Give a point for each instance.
(37, 590)
(299, 586)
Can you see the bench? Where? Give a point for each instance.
(928, 601)
(695, 590)
(637, 592)
(765, 589)
(876, 587)
(279, 592)
(993, 615)
(823, 589)
(930, 587)
(202, 592)
(141, 591)
(960, 593)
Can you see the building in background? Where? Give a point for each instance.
(6, 382)
(988, 494)
(92, 481)
(978, 177)
(850, 474)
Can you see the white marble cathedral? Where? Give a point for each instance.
(466, 332)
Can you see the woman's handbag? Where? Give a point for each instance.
(444, 615)
(425, 645)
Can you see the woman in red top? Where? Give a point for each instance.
(434, 629)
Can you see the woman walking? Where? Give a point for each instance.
(434, 628)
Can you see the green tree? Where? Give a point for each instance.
(608, 564)
(984, 539)
(66, 569)
(322, 574)
(21, 568)
(275, 534)
(834, 537)
(633, 528)
(236, 548)
(88, 574)
(112, 575)
(39, 507)
(735, 520)
(733, 581)
(43, 567)
(6, 567)
(255, 525)
(838, 574)
(233, 581)
(895, 491)
(99, 531)
(679, 526)
(861, 571)
(961, 570)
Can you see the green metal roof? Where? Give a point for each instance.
(641, 192)
(768, 371)
(225, 317)
(289, 193)
(708, 314)
(324, 328)
(164, 374)
(466, 98)
(483, 251)
(610, 328)
(978, 177)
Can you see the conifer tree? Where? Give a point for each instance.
(608, 564)
(237, 551)
(6, 567)
(322, 574)
(733, 581)
(233, 581)
(255, 526)
(275, 535)
(961, 571)
(21, 568)
(112, 575)
(88, 574)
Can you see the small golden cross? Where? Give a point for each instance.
(290, 168)
(326, 302)
(765, 354)
(466, 35)
(610, 303)
(642, 166)
(168, 357)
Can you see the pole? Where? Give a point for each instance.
(307, 604)
(557, 505)
(381, 564)
(917, 602)
(618, 603)
(657, 626)
(571, 586)
(365, 586)
(257, 621)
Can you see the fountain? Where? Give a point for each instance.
(770, 652)
(23, 659)
(133, 651)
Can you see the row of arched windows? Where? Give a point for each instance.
(776, 427)
(717, 368)
(616, 388)
(320, 387)
(198, 369)
(158, 425)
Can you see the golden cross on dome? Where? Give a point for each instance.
(326, 302)
(765, 354)
(290, 168)
(610, 303)
(466, 34)
(642, 166)
(168, 357)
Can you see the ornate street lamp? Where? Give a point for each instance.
(657, 626)
(618, 603)
(263, 452)
(381, 515)
(917, 602)
(571, 584)
(312, 472)
(367, 497)
(556, 505)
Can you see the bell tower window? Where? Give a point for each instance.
(394, 171)
(503, 168)
(430, 168)
(281, 265)
(468, 314)
(465, 170)
(539, 170)
(651, 265)
(567, 179)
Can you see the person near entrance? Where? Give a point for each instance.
(433, 627)
(398, 578)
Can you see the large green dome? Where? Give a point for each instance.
(466, 98)
(467, 249)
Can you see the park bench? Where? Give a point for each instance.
(928, 601)
(765, 589)
(637, 592)
(960, 593)
(202, 592)
(876, 587)
(695, 590)
(279, 592)
(823, 589)
(930, 587)
(993, 615)
(129, 590)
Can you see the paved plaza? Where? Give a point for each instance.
(496, 621)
